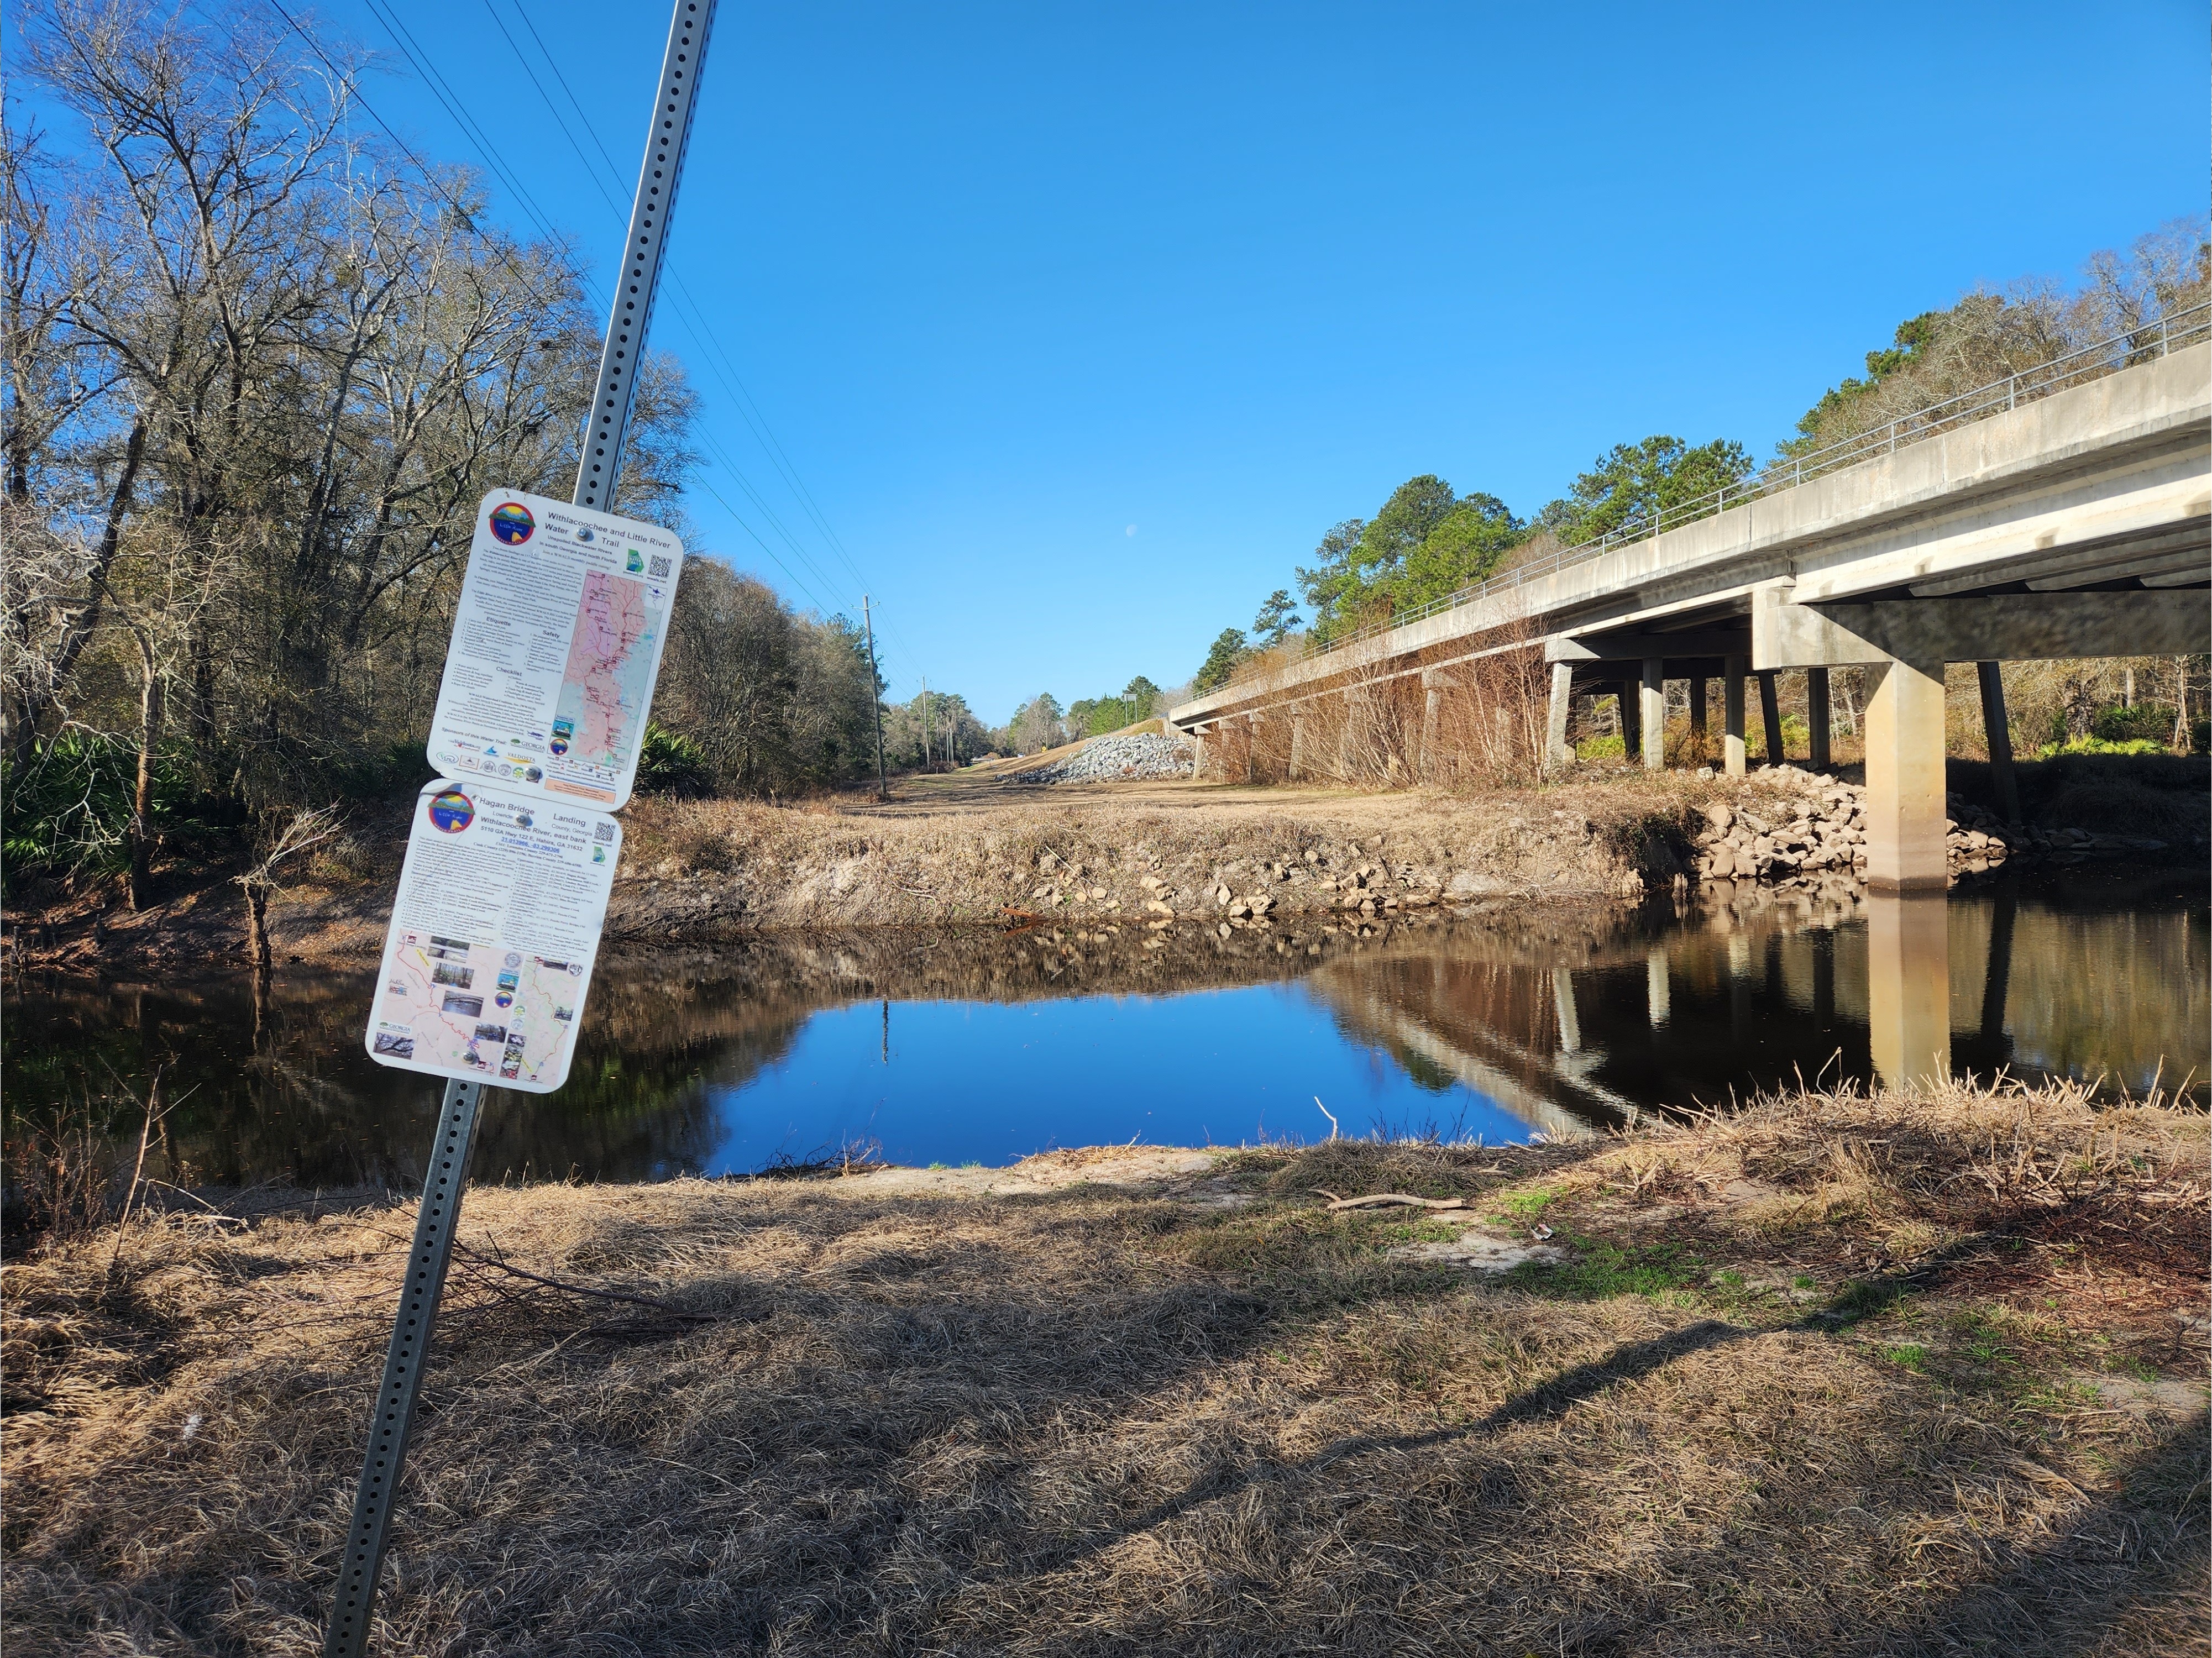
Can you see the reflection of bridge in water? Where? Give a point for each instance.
(1914, 987)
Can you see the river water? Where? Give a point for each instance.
(981, 1047)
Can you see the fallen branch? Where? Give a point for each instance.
(653, 1302)
(1388, 1199)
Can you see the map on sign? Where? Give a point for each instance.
(556, 648)
(488, 958)
(608, 680)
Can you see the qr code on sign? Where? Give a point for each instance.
(602, 832)
(659, 565)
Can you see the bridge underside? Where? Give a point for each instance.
(2144, 593)
(2073, 526)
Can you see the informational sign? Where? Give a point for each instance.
(556, 648)
(489, 955)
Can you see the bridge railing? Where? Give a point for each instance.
(2144, 344)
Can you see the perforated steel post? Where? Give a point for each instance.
(425, 1285)
(597, 471)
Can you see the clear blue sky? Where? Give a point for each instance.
(1082, 322)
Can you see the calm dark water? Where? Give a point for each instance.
(974, 1047)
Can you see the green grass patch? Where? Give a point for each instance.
(1598, 1271)
(1528, 1204)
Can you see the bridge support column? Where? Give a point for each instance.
(1558, 757)
(1816, 713)
(1631, 726)
(1999, 735)
(1424, 762)
(1698, 714)
(1732, 716)
(1298, 744)
(1252, 748)
(1905, 779)
(1197, 754)
(1770, 716)
(1562, 1005)
(1654, 713)
(1908, 986)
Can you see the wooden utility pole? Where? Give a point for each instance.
(875, 698)
(927, 756)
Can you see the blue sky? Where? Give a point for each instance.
(1081, 324)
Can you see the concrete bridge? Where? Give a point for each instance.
(2036, 524)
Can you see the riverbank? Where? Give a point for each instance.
(1833, 1374)
(954, 852)
(984, 846)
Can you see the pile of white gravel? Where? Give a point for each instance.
(1118, 760)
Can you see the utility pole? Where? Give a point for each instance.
(368, 1530)
(875, 698)
(927, 754)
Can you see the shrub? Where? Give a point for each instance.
(70, 806)
(672, 763)
(2099, 745)
(2146, 722)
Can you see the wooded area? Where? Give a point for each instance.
(261, 370)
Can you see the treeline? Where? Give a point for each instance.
(1425, 541)
(261, 367)
(1042, 723)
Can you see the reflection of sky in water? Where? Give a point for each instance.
(989, 1082)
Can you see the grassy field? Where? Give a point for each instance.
(1832, 1375)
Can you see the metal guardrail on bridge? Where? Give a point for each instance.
(2145, 344)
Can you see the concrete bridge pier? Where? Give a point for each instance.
(1999, 729)
(1557, 755)
(1697, 714)
(1653, 713)
(1734, 762)
(1770, 718)
(1631, 701)
(1252, 747)
(1197, 753)
(1425, 762)
(1905, 779)
(1908, 985)
(1817, 715)
(1298, 744)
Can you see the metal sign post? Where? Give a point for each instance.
(598, 469)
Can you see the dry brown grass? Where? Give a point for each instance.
(1368, 729)
(1834, 1374)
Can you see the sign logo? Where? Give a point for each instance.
(512, 523)
(451, 811)
(636, 562)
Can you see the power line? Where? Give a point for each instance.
(418, 55)
(454, 200)
(419, 59)
(714, 444)
(694, 319)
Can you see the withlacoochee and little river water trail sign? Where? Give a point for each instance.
(511, 854)
(556, 648)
